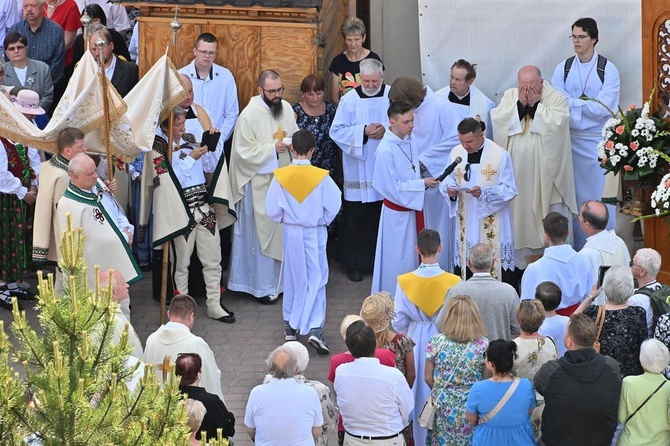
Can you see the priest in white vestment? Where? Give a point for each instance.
(434, 135)
(560, 264)
(121, 297)
(479, 191)
(419, 295)
(175, 338)
(531, 123)
(305, 200)
(603, 247)
(108, 233)
(398, 179)
(357, 129)
(581, 77)
(259, 147)
(466, 99)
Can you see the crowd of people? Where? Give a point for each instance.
(500, 293)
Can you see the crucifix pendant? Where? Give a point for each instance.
(413, 168)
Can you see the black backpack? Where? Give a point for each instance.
(602, 61)
(659, 299)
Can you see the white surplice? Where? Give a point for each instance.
(568, 269)
(605, 248)
(397, 179)
(305, 237)
(434, 136)
(355, 111)
(587, 119)
(419, 327)
(480, 105)
(493, 199)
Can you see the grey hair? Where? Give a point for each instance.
(177, 113)
(481, 257)
(618, 284)
(648, 259)
(353, 26)
(74, 166)
(282, 371)
(371, 66)
(654, 356)
(301, 354)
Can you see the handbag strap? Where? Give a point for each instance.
(458, 366)
(645, 401)
(502, 402)
(600, 320)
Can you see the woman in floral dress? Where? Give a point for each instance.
(454, 362)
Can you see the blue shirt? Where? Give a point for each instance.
(47, 44)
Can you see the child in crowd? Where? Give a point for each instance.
(377, 311)
(306, 200)
(554, 324)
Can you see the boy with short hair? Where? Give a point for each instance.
(554, 325)
(419, 296)
(306, 200)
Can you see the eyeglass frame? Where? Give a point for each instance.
(274, 91)
(206, 53)
(631, 264)
(579, 38)
(16, 48)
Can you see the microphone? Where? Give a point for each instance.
(450, 168)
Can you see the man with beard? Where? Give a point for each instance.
(357, 129)
(259, 147)
(123, 75)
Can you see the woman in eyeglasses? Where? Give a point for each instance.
(188, 366)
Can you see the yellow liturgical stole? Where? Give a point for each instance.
(427, 293)
(299, 180)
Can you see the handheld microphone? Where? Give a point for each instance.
(450, 168)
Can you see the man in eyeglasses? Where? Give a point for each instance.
(260, 145)
(214, 86)
(580, 77)
(479, 191)
(532, 124)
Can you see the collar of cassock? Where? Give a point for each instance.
(465, 100)
(81, 196)
(476, 157)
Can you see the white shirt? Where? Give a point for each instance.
(217, 94)
(644, 301)
(605, 248)
(374, 400)
(554, 327)
(21, 74)
(283, 412)
(109, 71)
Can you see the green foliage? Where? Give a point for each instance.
(75, 389)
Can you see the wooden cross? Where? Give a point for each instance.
(280, 134)
(489, 172)
(459, 175)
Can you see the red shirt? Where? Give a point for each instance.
(68, 17)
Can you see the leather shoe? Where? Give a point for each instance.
(354, 275)
(229, 319)
(267, 300)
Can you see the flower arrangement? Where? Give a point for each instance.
(660, 198)
(633, 141)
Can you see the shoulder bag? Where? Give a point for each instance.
(501, 403)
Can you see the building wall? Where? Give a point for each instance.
(394, 35)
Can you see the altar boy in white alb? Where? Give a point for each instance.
(305, 199)
(398, 179)
(480, 191)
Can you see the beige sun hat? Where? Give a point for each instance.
(28, 102)
(378, 310)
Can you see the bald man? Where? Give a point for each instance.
(602, 247)
(121, 296)
(532, 124)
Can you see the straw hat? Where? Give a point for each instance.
(378, 310)
(28, 102)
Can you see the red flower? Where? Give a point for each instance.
(634, 145)
(609, 145)
(603, 159)
(619, 130)
(627, 168)
(632, 107)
